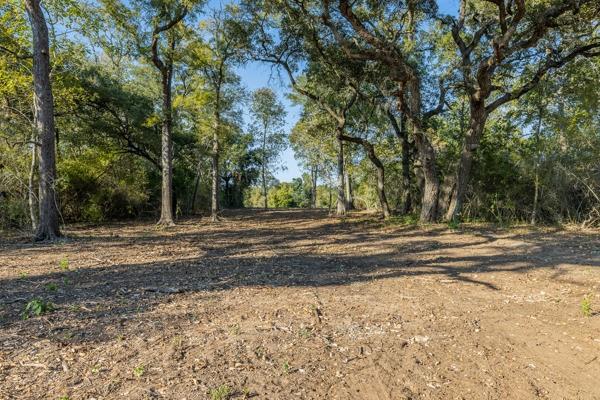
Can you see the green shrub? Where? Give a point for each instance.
(37, 307)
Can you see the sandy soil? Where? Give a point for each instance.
(296, 305)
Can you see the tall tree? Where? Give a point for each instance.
(48, 224)
(268, 117)
(166, 20)
(221, 49)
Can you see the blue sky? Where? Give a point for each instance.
(255, 75)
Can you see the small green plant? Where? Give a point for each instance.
(453, 224)
(305, 333)
(51, 287)
(286, 367)
(37, 307)
(23, 274)
(139, 371)
(95, 369)
(64, 264)
(64, 398)
(586, 306)
(221, 393)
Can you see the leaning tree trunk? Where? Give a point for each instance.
(341, 197)
(463, 173)
(370, 150)
(166, 159)
(48, 222)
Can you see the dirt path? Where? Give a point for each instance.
(295, 305)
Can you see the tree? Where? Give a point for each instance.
(48, 224)
(215, 57)
(163, 17)
(268, 117)
(495, 38)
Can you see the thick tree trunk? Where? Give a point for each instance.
(431, 182)
(341, 197)
(471, 143)
(48, 222)
(431, 186)
(166, 159)
(313, 186)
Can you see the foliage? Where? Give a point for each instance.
(586, 306)
(37, 307)
(222, 392)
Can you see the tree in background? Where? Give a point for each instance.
(314, 145)
(268, 118)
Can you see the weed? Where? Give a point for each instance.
(453, 224)
(586, 306)
(23, 274)
(51, 287)
(64, 398)
(95, 369)
(235, 330)
(305, 333)
(286, 367)
(403, 220)
(221, 393)
(37, 307)
(139, 371)
(64, 264)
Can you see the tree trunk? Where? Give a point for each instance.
(536, 189)
(370, 150)
(313, 187)
(341, 197)
(472, 139)
(431, 183)
(166, 159)
(214, 208)
(195, 192)
(31, 183)
(431, 186)
(264, 172)
(48, 222)
(405, 203)
(348, 188)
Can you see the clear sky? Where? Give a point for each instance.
(255, 75)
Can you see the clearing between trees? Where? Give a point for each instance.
(285, 304)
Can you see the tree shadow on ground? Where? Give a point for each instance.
(271, 249)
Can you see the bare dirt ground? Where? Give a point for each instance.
(296, 305)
